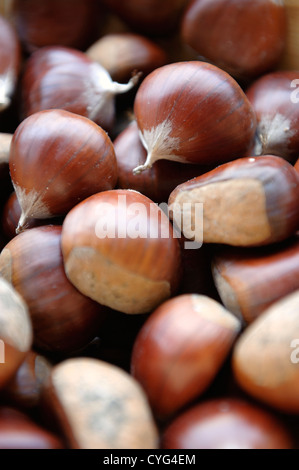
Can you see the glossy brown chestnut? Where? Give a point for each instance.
(119, 248)
(249, 281)
(193, 112)
(156, 182)
(99, 406)
(180, 349)
(10, 57)
(15, 331)
(72, 23)
(63, 319)
(149, 16)
(123, 53)
(65, 78)
(265, 358)
(226, 424)
(244, 38)
(246, 202)
(274, 98)
(24, 389)
(58, 158)
(18, 431)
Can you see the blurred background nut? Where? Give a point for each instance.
(99, 406)
(15, 331)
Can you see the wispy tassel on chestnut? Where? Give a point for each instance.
(193, 112)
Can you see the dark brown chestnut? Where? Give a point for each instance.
(149, 16)
(246, 202)
(72, 23)
(24, 389)
(244, 38)
(180, 349)
(193, 112)
(123, 53)
(249, 281)
(18, 431)
(227, 424)
(63, 319)
(58, 158)
(156, 182)
(274, 98)
(65, 78)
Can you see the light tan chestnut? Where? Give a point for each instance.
(99, 406)
(265, 358)
(180, 349)
(246, 202)
(193, 112)
(15, 331)
(119, 249)
(58, 158)
(10, 59)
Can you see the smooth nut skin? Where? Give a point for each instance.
(249, 281)
(296, 166)
(156, 182)
(180, 349)
(90, 93)
(247, 202)
(63, 319)
(265, 358)
(226, 424)
(15, 331)
(58, 158)
(99, 406)
(10, 59)
(273, 98)
(123, 53)
(149, 16)
(64, 22)
(175, 109)
(24, 389)
(18, 431)
(244, 38)
(119, 248)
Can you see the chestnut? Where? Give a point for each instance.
(58, 158)
(123, 53)
(175, 109)
(24, 389)
(72, 23)
(46, 84)
(296, 166)
(246, 202)
(15, 331)
(63, 319)
(99, 406)
(249, 281)
(119, 248)
(245, 38)
(5, 141)
(156, 182)
(10, 58)
(226, 423)
(265, 357)
(180, 349)
(152, 17)
(18, 431)
(274, 100)
(290, 58)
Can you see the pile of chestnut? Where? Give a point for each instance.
(149, 265)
